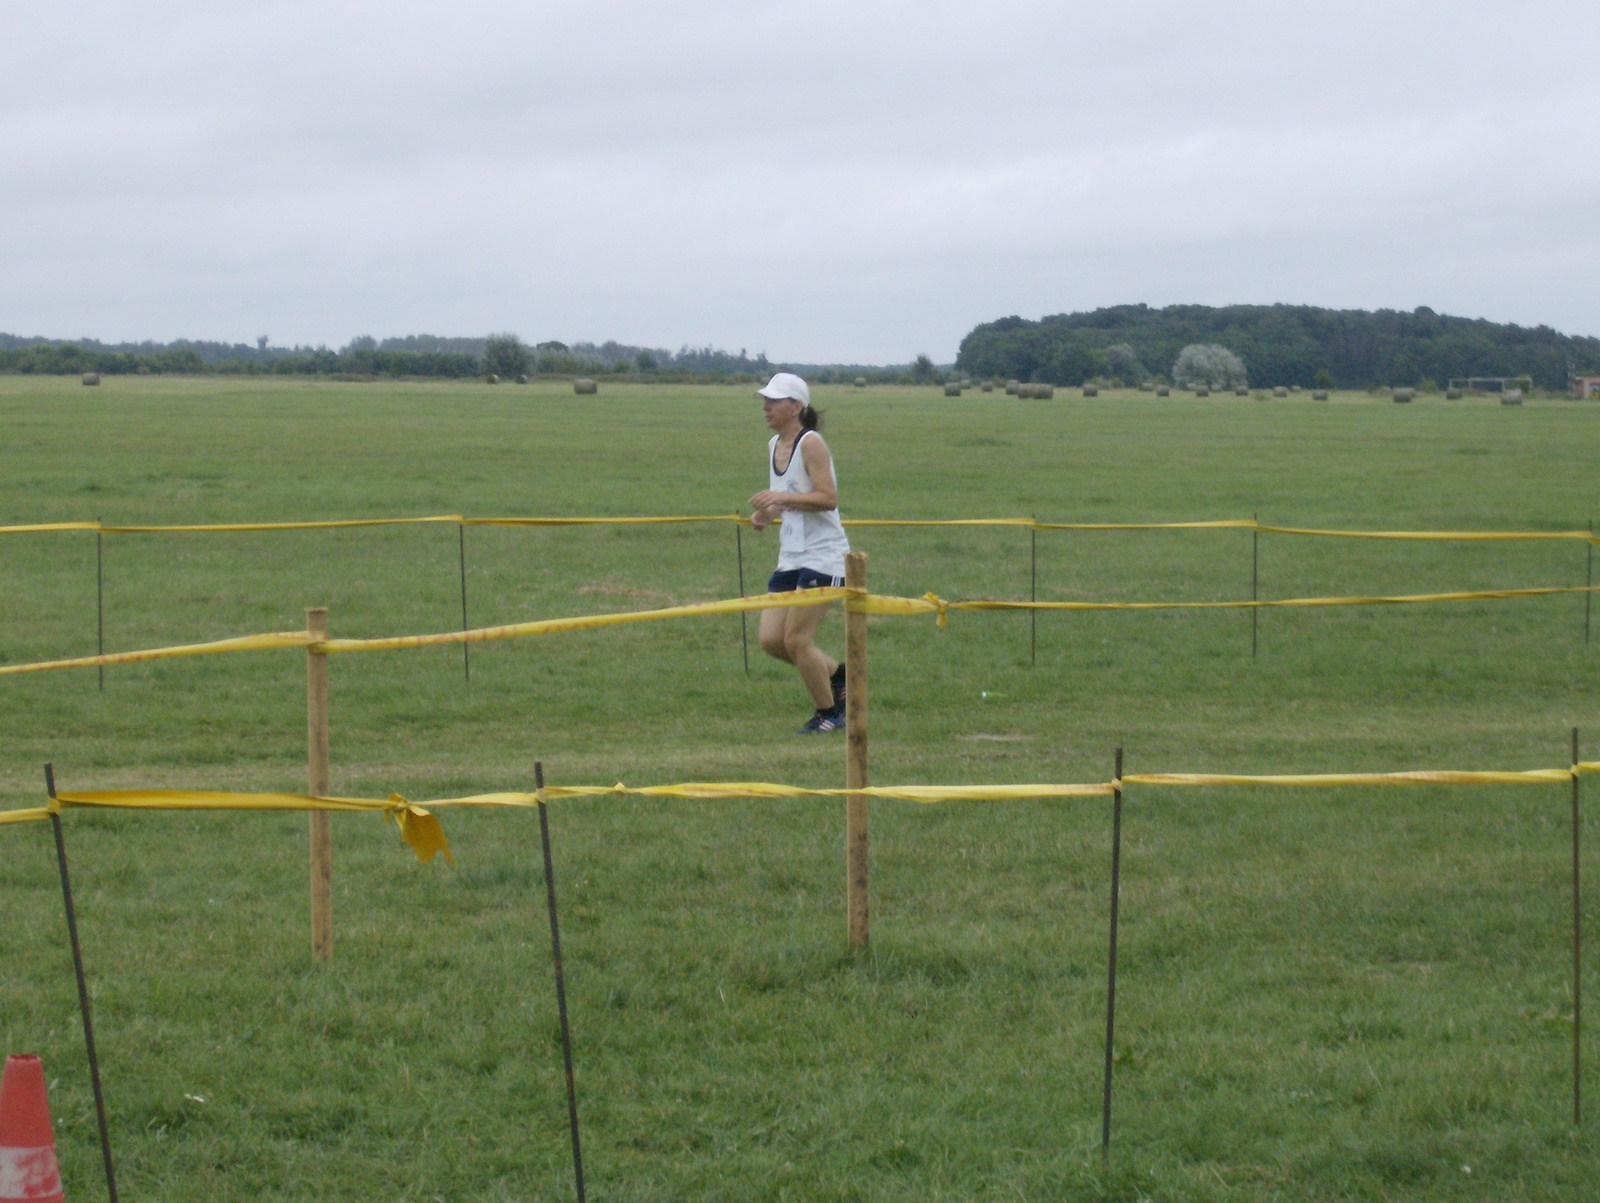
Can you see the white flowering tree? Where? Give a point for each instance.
(1209, 365)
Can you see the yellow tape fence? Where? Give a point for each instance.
(421, 830)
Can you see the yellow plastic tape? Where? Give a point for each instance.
(259, 526)
(44, 526)
(1217, 524)
(551, 626)
(1413, 777)
(32, 815)
(1450, 535)
(601, 521)
(927, 794)
(940, 522)
(418, 827)
(241, 643)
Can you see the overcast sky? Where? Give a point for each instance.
(825, 182)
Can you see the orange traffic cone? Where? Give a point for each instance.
(28, 1172)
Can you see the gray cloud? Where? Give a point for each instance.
(823, 181)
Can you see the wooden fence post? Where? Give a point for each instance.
(317, 763)
(855, 764)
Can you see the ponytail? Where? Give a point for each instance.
(810, 418)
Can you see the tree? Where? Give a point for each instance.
(1210, 365)
(646, 361)
(1124, 364)
(506, 356)
(1324, 378)
(923, 371)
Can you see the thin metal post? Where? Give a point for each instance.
(99, 607)
(856, 839)
(1033, 595)
(561, 981)
(83, 988)
(1255, 560)
(1577, 953)
(1111, 960)
(744, 616)
(1588, 583)
(466, 654)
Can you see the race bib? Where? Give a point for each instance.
(792, 531)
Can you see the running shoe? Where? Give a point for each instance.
(837, 681)
(824, 721)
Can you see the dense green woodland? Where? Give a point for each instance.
(1280, 344)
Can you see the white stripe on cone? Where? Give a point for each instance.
(27, 1174)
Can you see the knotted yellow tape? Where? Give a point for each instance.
(418, 827)
(603, 521)
(1441, 535)
(213, 528)
(31, 527)
(1411, 777)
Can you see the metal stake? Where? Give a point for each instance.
(99, 607)
(561, 982)
(83, 987)
(1577, 953)
(466, 654)
(744, 617)
(1033, 595)
(1255, 559)
(1111, 962)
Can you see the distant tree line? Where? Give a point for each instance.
(1278, 344)
(504, 355)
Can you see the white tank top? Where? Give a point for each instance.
(812, 539)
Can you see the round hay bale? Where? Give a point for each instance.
(1511, 396)
(1091, 390)
(1452, 394)
(491, 378)
(1044, 391)
(1146, 386)
(1241, 391)
(1294, 388)
(986, 387)
(861, 382)
(522, 378)
(1280, 391)
(952, 389)
(1011, 386)
(1320, 395)
(1202, 391)
(1403, 395)
(91, 377)
(584, 385)
(1163, 390)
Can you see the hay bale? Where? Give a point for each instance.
(522, 378)
(1320, 395)
(952, 389)
(1044, 391)
(1511, 396)
(1091, 390)
(986, 387)
(91, 377)
(491, 378)
(1280, 391)
(1452, 394)
(1241, 391)
(1403, 395)
(1011, 386)
(1294, 388)
(1146, 386)
(584, 385)
(1202, 391)
(861, 382)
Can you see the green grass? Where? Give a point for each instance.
(1333, 994)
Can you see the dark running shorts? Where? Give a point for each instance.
(787, 581)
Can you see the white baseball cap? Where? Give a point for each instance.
(786, 386)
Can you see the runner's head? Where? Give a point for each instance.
(786, 397)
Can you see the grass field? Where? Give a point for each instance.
(1332, 994)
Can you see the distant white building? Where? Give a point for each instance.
(1584, 387)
